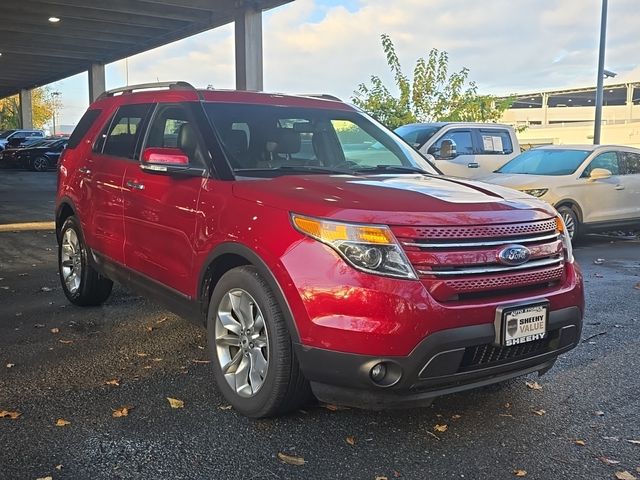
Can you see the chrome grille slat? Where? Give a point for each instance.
(545, 262)
(507, 241)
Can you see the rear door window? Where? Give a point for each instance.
(123, 133)
(631, 162)
(494, 142)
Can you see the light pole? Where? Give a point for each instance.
(601, 73)
(54, 96)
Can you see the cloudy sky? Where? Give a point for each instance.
(330, 46)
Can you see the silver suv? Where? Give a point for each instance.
(19, 137)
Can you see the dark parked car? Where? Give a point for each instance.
(38, 157)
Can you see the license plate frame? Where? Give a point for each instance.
(522, 314)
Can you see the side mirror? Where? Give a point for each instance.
(169, 161)
(599, 174)
(447, 149)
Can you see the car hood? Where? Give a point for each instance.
(521, 181)
(394, 199)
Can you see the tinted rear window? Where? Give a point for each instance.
(83, 127)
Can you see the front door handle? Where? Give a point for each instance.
(473, 165)
(135, 185)
(84, 170)
(619, 187)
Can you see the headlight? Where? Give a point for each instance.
(370, 248)
(536, 192)
(566, 240)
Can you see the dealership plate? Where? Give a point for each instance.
(521, 324)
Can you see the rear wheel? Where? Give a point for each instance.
(571, 221)
(39, 164)
(81, 283)
(250, 347)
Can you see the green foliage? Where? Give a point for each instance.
(432, 95)
(43, 103)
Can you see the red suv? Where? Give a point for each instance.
(320, 250)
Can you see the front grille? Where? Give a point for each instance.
(456, 262)
(487, 355)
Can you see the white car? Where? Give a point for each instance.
(593, 187)
(469, 150)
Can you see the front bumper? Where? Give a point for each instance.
(446, 361)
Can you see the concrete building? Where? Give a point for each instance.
(567, 116)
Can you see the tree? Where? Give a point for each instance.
(432, 94)
(44, 105)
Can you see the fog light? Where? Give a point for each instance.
(378, 372)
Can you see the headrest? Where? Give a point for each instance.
(286, 140)
(187, 139)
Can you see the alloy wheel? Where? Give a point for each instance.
(71, 260)
(40, 164)
(570, 223)
(241, 342)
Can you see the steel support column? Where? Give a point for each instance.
(96, 81)
(26, 109)
(248, 39)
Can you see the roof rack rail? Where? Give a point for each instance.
(325, 96)
(148, 86)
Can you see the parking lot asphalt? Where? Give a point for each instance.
(56, 360)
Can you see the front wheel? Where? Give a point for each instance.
(250, 347)
(81, 283)
(39, 164)
(571, 221)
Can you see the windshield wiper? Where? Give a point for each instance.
(299, 168)
(393, 168)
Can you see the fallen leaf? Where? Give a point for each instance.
(115, 382)
(61, 422)
(149, 328)
(11, 365)
(520, 473)
(66, 342)
(157, 359)
(45, 478)
(534, 385)
(8, 414)
(580, 442)
(351, 440)
(381, 477)
(440, 428)
(291, 459)
(598, 261)
(540, 412)
(225, 407)
(121, 412)
(45, 289)
(201, 361)
(59, 467)
(624, 475)
(637, 286)
(175, 403)
(608, 461)
(635, 442)
(163, 319)
(599, 413)
(333, 408)
(396, 474)
(456, 417)
(55, 330)
(507, 405)
(142, 354)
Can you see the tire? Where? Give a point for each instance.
(263, 376)
(39, 164)
(89, 288)
(572, 222)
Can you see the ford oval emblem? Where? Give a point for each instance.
(514, 255)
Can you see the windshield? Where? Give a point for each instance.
(6, 133)
(541, 161)
(265, 140)
(417, 135)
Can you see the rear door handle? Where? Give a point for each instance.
(473, 165)
(619, 187)
(84, 170)
(135, 185)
